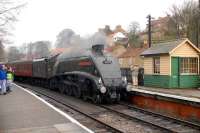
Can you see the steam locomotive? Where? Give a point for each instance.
(88, 74)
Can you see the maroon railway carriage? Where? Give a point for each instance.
(22, 68)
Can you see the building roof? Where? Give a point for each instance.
(132, 52)
(166, 48)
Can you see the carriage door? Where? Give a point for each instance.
(175, 63)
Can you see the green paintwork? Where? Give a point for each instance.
(175, 72)
(182, 81)
(175, 80)
(161, 81)
(165, 81)
(189, 81)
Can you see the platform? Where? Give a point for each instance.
(181, 103)
(190, 95)
(23, 112)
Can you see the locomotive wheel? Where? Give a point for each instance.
(85, 98)
(118, 98)
(69, 90)
(51, 85)
(96, 99)
(77, 92)
(109, 100)
(84, 92)
(62, 88)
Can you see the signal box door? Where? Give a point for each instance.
(175, 65)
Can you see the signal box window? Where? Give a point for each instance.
(156, 65)
(189, 65)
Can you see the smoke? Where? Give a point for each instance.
(68, 38)
(97, 38)
(42, 48)
(13, 54)
(64, 38)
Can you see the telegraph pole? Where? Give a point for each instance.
(198, 26)
(149, 29)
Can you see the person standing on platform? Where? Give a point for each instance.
(3, 77)
(9, 79)
(1, 67)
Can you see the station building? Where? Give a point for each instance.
(172, 64)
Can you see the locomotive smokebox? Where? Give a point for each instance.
(98, 48)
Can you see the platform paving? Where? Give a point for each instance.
(193, 93)
(184, 94)
(21, 112)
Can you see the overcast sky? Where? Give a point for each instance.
(44, 19)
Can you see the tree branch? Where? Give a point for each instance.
(12, 8)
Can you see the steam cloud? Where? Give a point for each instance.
(68, 38)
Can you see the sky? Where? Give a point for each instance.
(44, 19)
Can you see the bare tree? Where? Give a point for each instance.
(9, 9)
(13, 54)
(2, 53)
(37, 49)
(134, 27)
(26, 51)
(133, 33)
(185, 18)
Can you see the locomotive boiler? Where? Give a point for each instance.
(88, 74)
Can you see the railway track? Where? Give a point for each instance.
(127, 119)
(163, 122)
(191, 124)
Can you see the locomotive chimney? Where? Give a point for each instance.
(98, 48)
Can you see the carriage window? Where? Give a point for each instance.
(156, 65)
(189, 65)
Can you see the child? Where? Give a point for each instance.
(9, 79)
